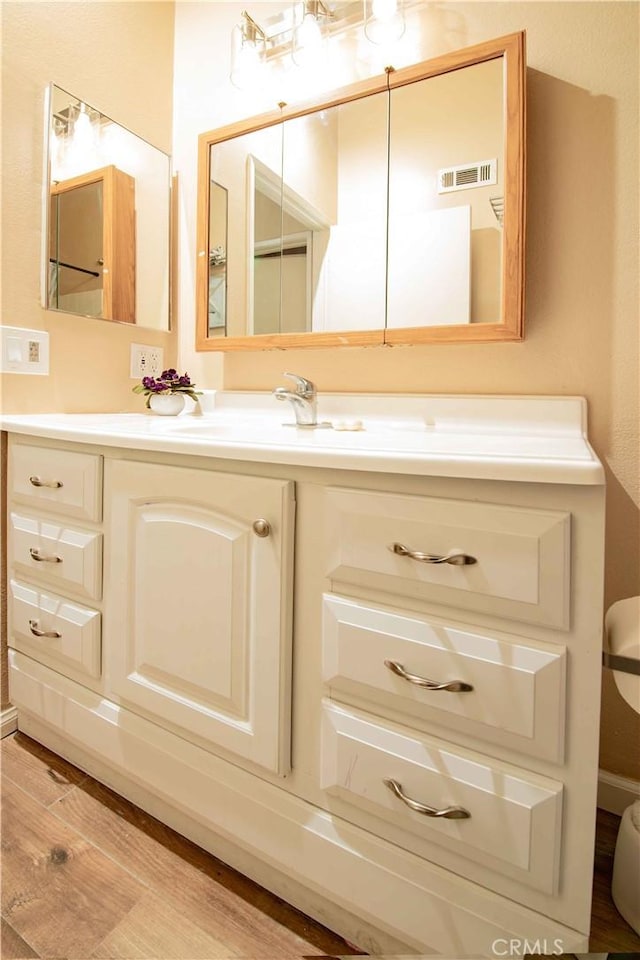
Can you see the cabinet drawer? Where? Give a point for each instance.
(517, 694)
(65, 556)
(58, 633)
(60, 480)
(518, 558)
(514, 817)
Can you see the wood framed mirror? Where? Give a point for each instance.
(391, 211)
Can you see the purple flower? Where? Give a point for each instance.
(169, 381)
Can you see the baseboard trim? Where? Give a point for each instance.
(616, 793)
(9, 720)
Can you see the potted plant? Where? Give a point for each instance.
(165, 394)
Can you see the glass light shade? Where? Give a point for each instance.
(82, 151)
(309, 35)
(383, 20)
(247, 54)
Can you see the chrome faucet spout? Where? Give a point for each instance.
(303, 400)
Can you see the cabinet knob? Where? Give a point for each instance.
(261, 528)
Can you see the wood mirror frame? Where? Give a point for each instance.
(511, 325)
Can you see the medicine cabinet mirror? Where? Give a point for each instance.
(392, 211)
(107, 218)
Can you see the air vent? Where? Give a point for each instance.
(480, 174)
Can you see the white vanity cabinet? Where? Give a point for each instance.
(198, 629)
(387, 715)
(55, 557)
(405, 664)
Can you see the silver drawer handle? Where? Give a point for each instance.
(35, 554)
(39, 482)
(457, 559)
(449, 813)
(452, 686)
(48, 634)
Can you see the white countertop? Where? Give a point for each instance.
(536, 439)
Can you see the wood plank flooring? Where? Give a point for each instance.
(86, 874)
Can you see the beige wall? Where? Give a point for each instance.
(582, 258)
(118, 56)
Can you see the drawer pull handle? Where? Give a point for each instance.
(448, 813)
(452, 686)
(35, 554)
(457, 559)
(47, 634)
(39, 482)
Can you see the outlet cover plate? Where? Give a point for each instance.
(146, 361)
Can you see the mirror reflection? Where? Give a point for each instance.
(393, 213)
(245, 173)
(217, 259)
(446, 166)
(107, 218)
(334, 174)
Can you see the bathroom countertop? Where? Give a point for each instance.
(534, 439)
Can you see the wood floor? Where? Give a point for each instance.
(85, 874)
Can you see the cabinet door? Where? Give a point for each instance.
(198, 604)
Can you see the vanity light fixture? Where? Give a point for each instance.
(302, 29)
(383, 20)
(248, 48)
(77, 134)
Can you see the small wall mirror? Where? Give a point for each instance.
(390, 212)
(107, 218)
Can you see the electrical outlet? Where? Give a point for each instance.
(146, 361)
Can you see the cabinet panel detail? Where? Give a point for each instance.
(200, 605)
(517, 559)
(65, 556)
(514, 817)
(179, 547)
(517, 688)
(49, 628)
(60, 480)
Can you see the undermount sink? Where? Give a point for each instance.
(264, 429)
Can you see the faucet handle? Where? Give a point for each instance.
(304, 387)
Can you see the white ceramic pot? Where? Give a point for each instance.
(167, 404)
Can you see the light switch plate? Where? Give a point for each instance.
(24, 351)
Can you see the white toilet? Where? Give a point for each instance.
(622, 627)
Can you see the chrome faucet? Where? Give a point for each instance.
(303, 400)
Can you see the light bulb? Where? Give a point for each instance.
(384, 9)
(82, 148)
(308, 40)
(247, 53)
(384, 20)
